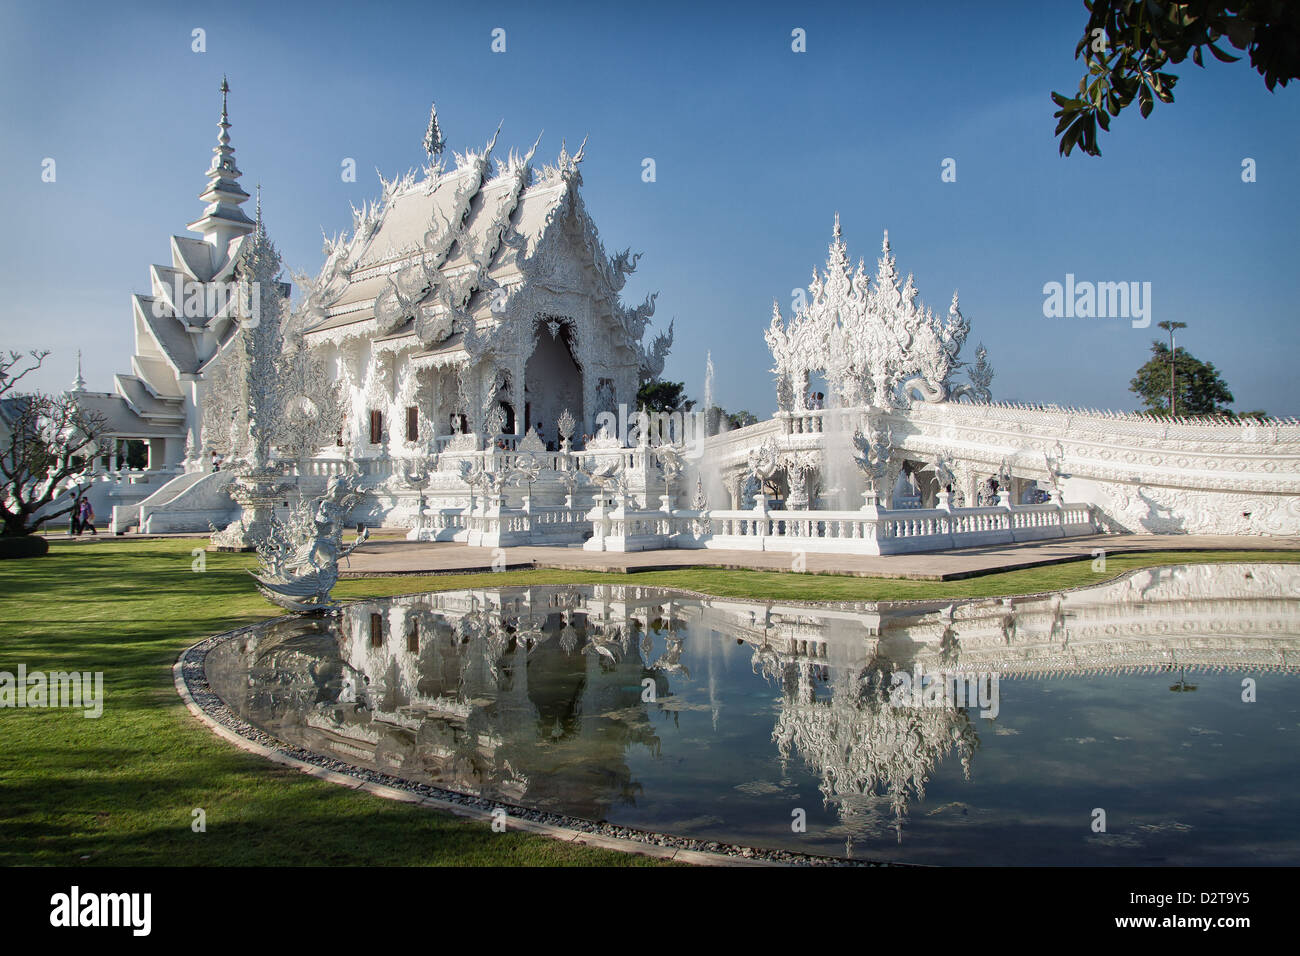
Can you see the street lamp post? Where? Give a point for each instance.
(1173, 382)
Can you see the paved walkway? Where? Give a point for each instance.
(409, 557)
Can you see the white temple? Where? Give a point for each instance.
(473, 297)
(465, 353)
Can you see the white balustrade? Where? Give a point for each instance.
(882, 532)
(618, 523)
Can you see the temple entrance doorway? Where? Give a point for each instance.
(552, 382)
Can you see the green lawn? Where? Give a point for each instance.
(120, 790)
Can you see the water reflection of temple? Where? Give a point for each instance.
(531, 696)
(539, 696)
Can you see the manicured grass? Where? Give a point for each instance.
(120, 790)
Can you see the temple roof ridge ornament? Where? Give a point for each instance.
(434, 141)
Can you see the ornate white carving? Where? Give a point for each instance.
(532, 442)
(244, 400)
(873, 460)
(873, 341)
(565, 425)
(300, 559)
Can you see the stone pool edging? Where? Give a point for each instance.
(190, 679)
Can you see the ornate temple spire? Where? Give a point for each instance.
(79, 383)
(222, 219)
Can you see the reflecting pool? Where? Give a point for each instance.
(1163, 707)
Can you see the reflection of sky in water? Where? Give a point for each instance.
(547, 710)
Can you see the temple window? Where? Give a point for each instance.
(376, 427)
(376, 630)
(412, 423)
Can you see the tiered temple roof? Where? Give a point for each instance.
(187, 318)
(435, 253)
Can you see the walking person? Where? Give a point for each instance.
(75, 525)
(88, 517)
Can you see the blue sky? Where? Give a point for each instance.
(756, 148)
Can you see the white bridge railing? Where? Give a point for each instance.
(838, 532)
(502, 526)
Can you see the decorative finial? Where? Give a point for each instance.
(222, 218)
(837, 225)
(223, 138)
(434, 143)
(529, 158)
(79, 383)
(259, 204)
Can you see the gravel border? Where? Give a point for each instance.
(190, 677)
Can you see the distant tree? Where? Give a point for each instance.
(1128, 43)
(741, 418)
(1200, 388)
(44, 443)
(664, 397)
(717, 417)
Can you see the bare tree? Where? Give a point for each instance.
(44, 443)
